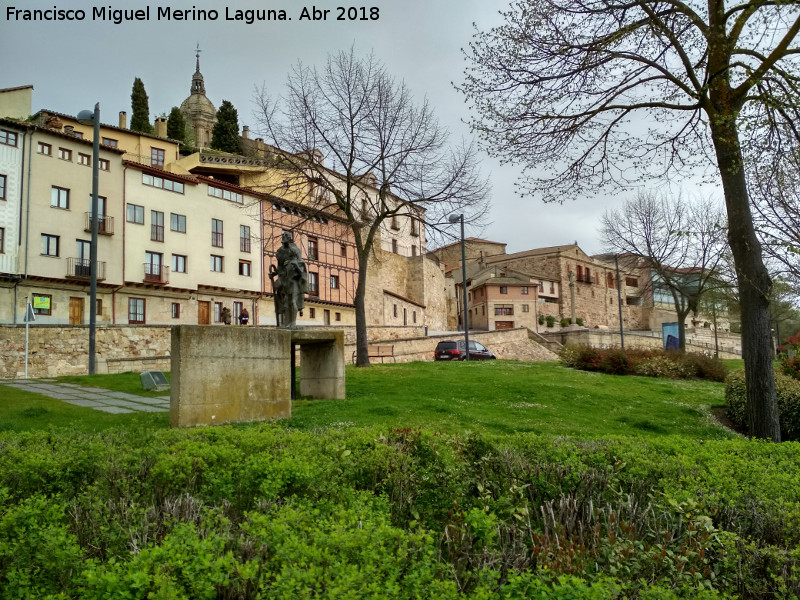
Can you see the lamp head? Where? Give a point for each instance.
(455, 218)
(86, 117)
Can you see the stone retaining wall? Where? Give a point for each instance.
(509, 343)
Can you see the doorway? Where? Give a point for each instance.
(326, 317)
(75, 311)
(202, 312)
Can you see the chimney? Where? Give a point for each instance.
(246, 132)
(123, 119)
(161, 127)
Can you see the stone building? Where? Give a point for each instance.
(198, 111)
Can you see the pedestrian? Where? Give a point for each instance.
(244, 317)
(226, 315)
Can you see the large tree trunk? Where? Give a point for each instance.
(362, 345)
(754, 283)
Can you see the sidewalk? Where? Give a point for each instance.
(90, 397)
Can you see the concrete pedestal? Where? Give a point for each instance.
(321, 362)
(242, 374)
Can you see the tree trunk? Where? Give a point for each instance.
(754, 283)
(362, 345)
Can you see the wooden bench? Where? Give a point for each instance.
(381, 352)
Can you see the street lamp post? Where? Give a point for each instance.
(87, 117)
(455, 219)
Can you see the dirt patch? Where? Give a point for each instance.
(720, 415)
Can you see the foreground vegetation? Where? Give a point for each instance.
(476, 494)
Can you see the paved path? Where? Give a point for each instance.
(90, 397)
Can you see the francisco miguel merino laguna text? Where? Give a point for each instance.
(162, 13)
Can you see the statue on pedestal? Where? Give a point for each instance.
(291, 284)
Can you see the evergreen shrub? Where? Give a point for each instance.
(788, 390)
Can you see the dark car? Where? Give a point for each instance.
(455, 350)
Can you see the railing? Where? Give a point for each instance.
(105, 225)
(81, 268)
(156, 273)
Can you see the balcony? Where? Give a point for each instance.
(105, 225)
(156, 273)
(81, 268)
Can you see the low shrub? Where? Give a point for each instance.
(791, 367)
(541, 319)
(579, 321)
(788, 390)
(551, 320)
(647, 363)
(565, 322)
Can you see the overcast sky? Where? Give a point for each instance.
(72, 65)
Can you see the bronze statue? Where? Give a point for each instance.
(292, 282)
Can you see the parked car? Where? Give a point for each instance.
(455, 350)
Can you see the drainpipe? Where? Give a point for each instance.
(27, 205)
(124, 246)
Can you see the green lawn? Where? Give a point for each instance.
(492, 397)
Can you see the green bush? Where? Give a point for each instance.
(647, 363)
(788, 390)
(579, 321)
(551, 320)
(541, 319)
(565, 322)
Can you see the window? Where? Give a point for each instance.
(84, 159)
(42, 304)
(152, 267)
(156, 157)
(334, 282)
(244, 268)
(217, 312)
(216, 263)
(135, 310)
(218, 192)
(526, 308)
(176, 310)
(135, 214)
(104, 165)
(312, 313)
(631, 282)
(109, 142)
(2, 187)
(9, 138)
(552, 287)
(178, 263)
(313, 249)
(414, 316)
(162, 182)
(523, 290)
(244, 238)
(503, 289)
(337, 316)
(394, 310)
(49, 244)
(216, 233)
(237, 311)
(343, 251)
(64, 154)
(156, 226)
(414, 227)
(395, 225)
(2, 240)
(59, 197)
(503, 309)
(394, 246)
(177, 223)
(313, 283)
(45, 149)
(413, 250)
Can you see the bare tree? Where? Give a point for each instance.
(680, 243)
(592, 93)
(776, 196)
(352, 140)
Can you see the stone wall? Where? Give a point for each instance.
(56, 350)
(729, 345)
(510, 344)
